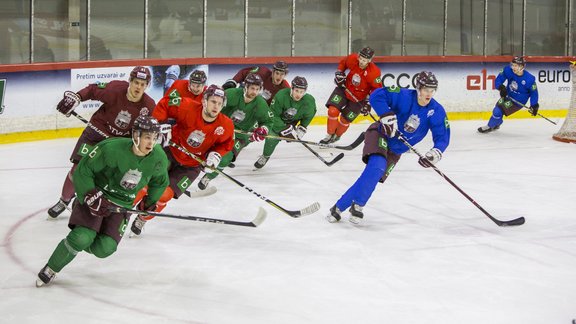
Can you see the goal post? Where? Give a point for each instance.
(567, 132)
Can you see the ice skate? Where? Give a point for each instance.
(58, 208)
(328, 139)
(356, 214)
(487, 129)
(203, 183)
(138, 225)
(335, 215)
(45, 276)
(261, 162)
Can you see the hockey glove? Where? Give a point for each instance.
(340, 78)
(229, 84)
(503, 91)
(288, 132)
(165, 135)
(98, 205)
(259, 134)
(142, 205)
(365, 110)
(430, 158)
(534, 109)
(389, 124)
(212, 161)
(70, 101)
(300, 131)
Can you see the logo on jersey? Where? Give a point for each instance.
(238, 116)
(382, 143)
(356, 79)
(514, 85)
(266, 94)
(336, 99)
(430, 113)
(101, 84)
(196, 138)
(123, 119)
(412, 123)
(219, 130)
(130, 179)
(2, 93)
(144, 111)
(289, 114)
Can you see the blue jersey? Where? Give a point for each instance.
(520, 88)
(414, 120)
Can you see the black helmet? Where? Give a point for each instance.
(141, 72)
(367, 53)
(198, 76)
(426, 79)
(280, 66)
(519, 60)
(253, 78)
(299, 82)
(146, 124)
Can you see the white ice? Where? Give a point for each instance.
(424, 253)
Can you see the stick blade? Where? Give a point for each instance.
(201, 193)
(260, 218)
(514, 222)
(336, 159)
(306, 210)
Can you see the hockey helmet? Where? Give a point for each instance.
(280, 66)
(299, 82)
(426, 79)
(367, 53)
(141, 72)
(254, 79)
(198, 76)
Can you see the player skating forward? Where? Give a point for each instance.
(416, 112)
(109, 176)
(202, 130)
(122, 103)
(250, 113)
(520, 86)
(192, 88)
(293, 111)
(363, 77)
(273, 79)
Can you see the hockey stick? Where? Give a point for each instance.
(328, 163)
(524, 106)
(513, 222)
(292, 213)
(260, 217)
(89, 124)
(349, 147)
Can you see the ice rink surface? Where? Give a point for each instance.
(424, 253)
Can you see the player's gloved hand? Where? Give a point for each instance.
(365, 110)
(98, 205)
(142, 205)
(300, 131)
(229, 84)
(389, 124)
(259, 134)
(70, 101)
(213, 160)
(534, 109)
(165, 135)
(430, 158)
(288, 131)
(503, 91)
(340, 78)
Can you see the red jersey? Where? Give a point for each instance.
(192, 132)
(269, 89)
(180, 89)
(361, 82)
(116, 114)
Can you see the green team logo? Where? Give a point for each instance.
(174, 101)
(101, 84)
(2, 92)
(84, 149)
(446, 123)
(394, 88)
(351, 116)
(534, 87)
(336, 99)
(390, 168)
(122, 227)
(174, 94)
(505, 103)
(184, 183)
(382, 143)
(378, 80)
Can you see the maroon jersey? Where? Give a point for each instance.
(117, 114)
(269, 89)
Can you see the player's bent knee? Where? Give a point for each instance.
(103, 246)
(333, 111)
(497, 112)
(80, 238)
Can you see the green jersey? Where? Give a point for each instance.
(247, 116)
(112, 167)
(288, 111)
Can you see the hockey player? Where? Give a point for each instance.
(122, 103)
(250, 113)
(109, 176)
(350, 97)
(202, 130)
(520, 86)
(192, 88)
(293, 111)
(416, 113)
(273, 79)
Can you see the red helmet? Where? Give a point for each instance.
(426, 79)
(255, 79)
(215, 91)
(141, 72)
(280, 66)
(367, 53)
(299, 82)
(198, 76)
